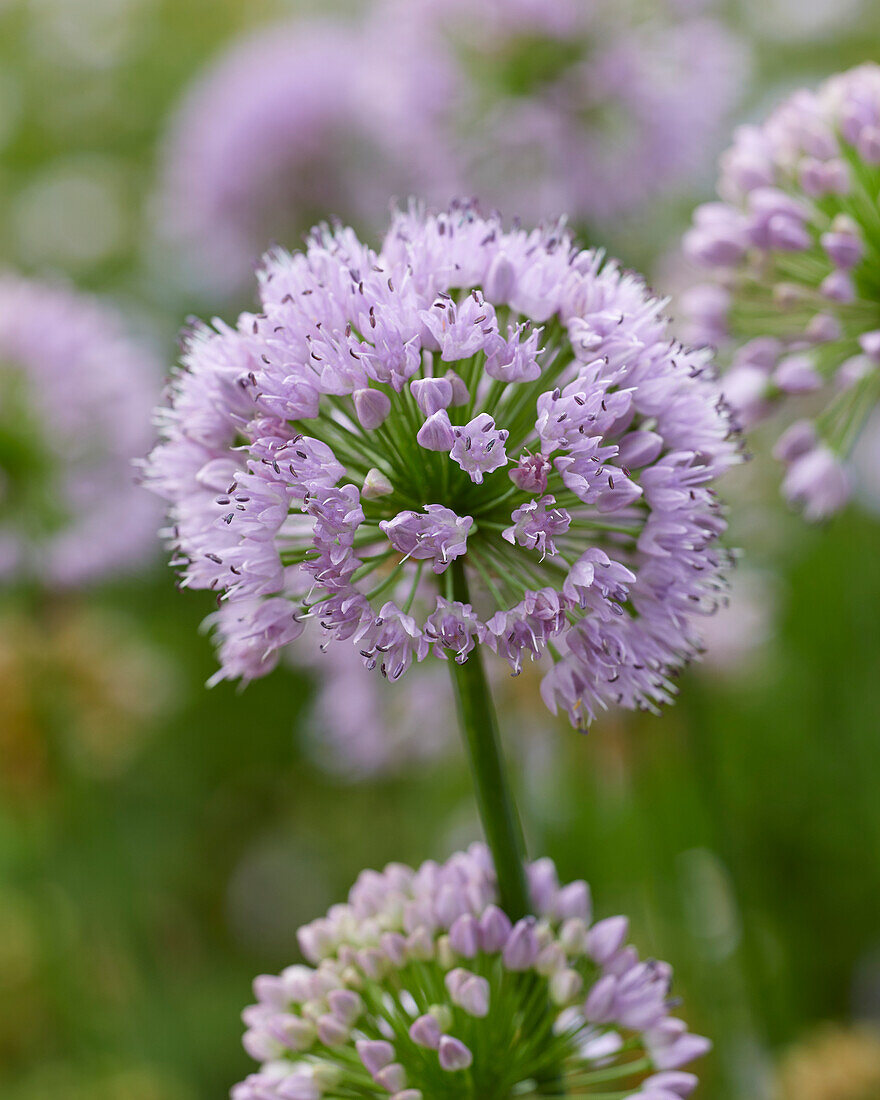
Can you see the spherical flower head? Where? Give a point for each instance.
(566, 511)
(420, 986)
(542, 108)
(794, 252)
(77, 394)
(275, 130)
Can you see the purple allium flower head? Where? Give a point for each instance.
(794, 252)
(419, 987)
(274, 131)
(75, 411)
(548, 107)
(280, 493)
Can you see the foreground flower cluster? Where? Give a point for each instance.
(77, 394)
(795, 248)
(549, 107)
(468, 410)
(420, 987)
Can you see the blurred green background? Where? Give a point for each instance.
(160, 843)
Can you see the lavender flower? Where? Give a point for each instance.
(360, 726)
(274, 131)
(795, 252)
(75, 410)
(420, 987)
(543, 108)
(308, 476)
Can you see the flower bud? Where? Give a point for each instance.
(436, 433)
(454, 1055)
(372, 407)
(432, 394)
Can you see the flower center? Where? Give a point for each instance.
(448, 462)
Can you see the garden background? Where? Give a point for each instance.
(160, 842)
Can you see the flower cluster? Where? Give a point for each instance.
(420, 986)
(794, 245)
(470, 437)
(548, 107)
(77, 395)
(273, 132)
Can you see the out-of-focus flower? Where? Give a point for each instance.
(79, 690)
(420, 987)
(75, 399)
(542, 108)
(275, 133)
(836, 1063)
(493, 401)
(361, 726)
(734, 637)
(795, 251)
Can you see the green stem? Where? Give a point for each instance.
(479, 727)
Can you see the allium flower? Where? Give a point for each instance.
(75, 409)
(543, 107)
(273, 132)
(736, 639)
(795, 248)
(467, 408)
(421, 988)
(360, 726)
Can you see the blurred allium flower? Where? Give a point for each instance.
(836, 1063)
(75, 409)
(273, 134)
(361, 726)
(420, 987)
(795, 248)
(540, 108)
(466, 406)
(735, 637)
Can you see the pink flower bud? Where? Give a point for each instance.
(454, 1055)
(372, 407)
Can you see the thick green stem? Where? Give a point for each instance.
(479, 727)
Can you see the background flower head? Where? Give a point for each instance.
(467, 406)
(272, 136)
(420, 987)
(794, 248)
(362, 727)
(586, 109)
(74, 413)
